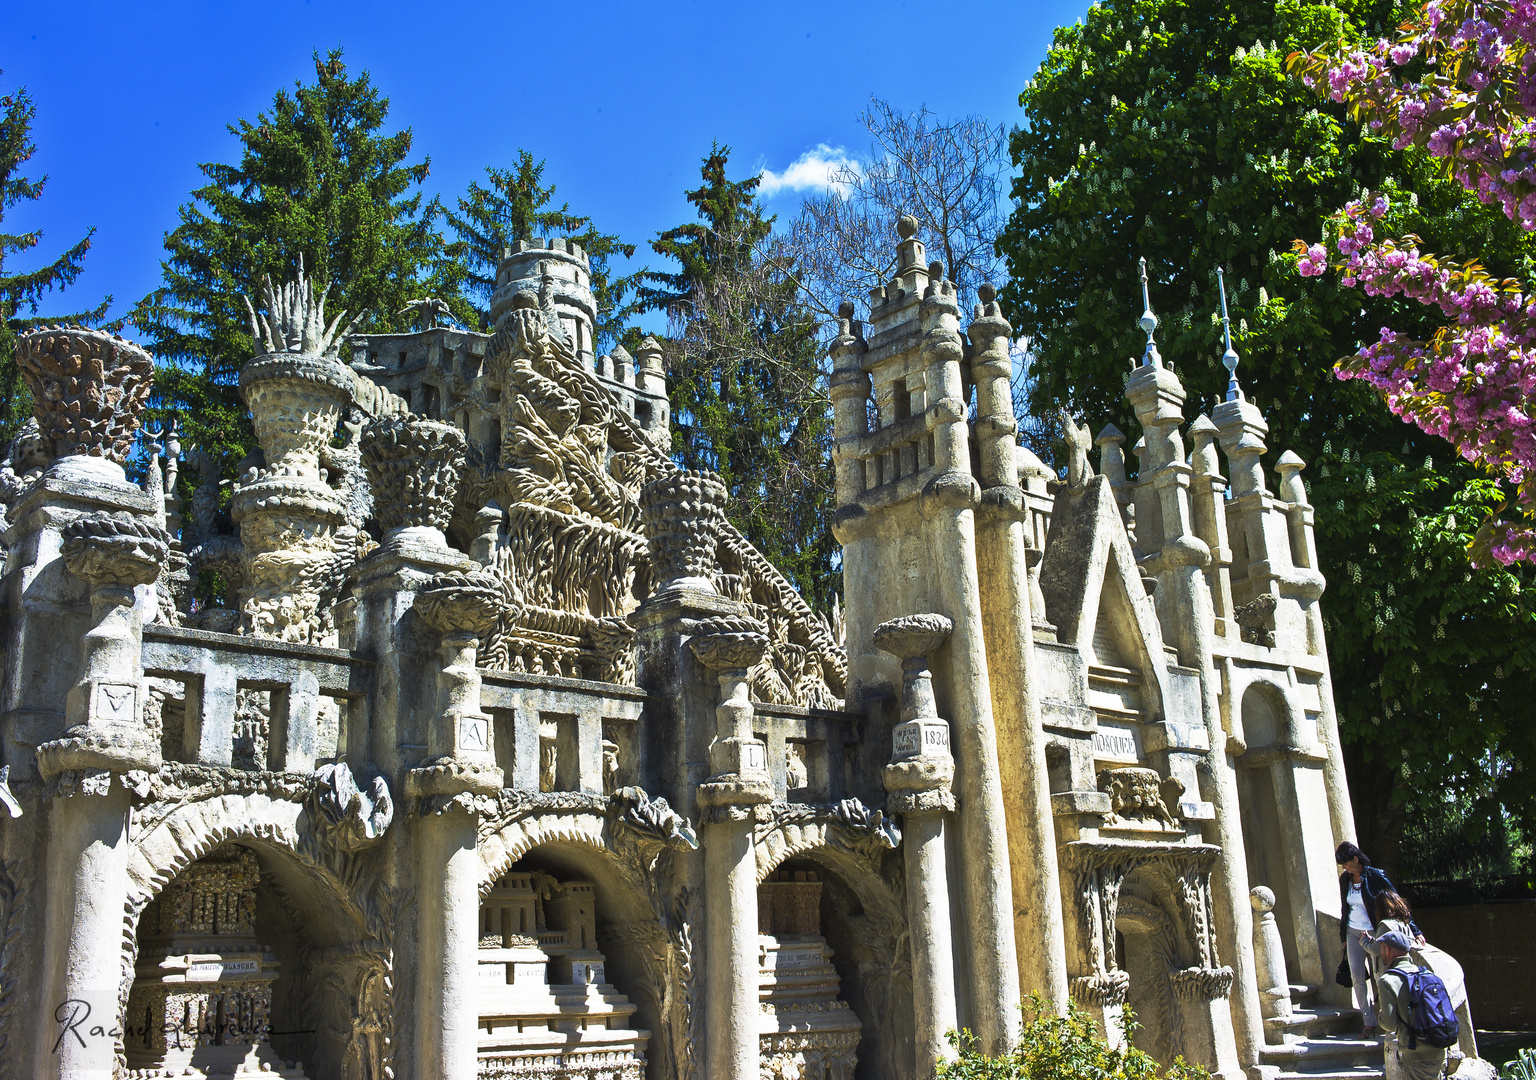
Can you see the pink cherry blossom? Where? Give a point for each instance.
(1474, 381)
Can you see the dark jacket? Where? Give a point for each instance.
(1372, 884)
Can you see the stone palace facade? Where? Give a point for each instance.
(505, 755)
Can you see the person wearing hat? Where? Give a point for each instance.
(1424, 1062)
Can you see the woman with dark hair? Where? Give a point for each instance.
(1361, 886)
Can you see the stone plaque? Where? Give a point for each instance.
(920, 738)
(754, 756)
(221, 970)
(115, 702)
(1116, 742)
(474, 732)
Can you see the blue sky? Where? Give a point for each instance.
(622, 100)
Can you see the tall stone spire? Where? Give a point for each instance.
(1148, 322)
(1228, 358)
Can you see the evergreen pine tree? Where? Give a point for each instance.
(318, 181)
(749, 398)
(517, 206)
(22, 292)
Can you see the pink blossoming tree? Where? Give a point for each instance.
(1460, 83)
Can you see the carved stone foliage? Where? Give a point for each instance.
(785, 828)
(413, 467)
(88, 388)
(681, 513)
(1136, 795)
(355, 818)
(1100, 868)
(106, 550)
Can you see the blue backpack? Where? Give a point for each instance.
(1431, 1017)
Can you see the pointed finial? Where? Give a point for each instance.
(1228, 358)
(1148, 321)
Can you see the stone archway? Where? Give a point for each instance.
(644, 932)
(863, 921)
(344, 938)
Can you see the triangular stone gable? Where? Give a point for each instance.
(1089, 574)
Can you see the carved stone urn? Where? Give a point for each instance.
(681, 514)
(413, 468)
(287, 511)
(88, 388)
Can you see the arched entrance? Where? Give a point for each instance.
(572, 919)
(859, 925)
(241, 943)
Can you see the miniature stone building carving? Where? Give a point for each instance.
(504, 753)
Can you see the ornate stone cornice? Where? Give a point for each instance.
(729, 642)
(108, 550)
(467, 603)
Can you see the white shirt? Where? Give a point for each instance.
(1359, 918)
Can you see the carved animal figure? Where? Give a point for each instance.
(1079, 442)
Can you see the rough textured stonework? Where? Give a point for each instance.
(506, 755)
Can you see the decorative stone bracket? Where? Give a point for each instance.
(730, 645)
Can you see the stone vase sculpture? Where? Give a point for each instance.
(679, 513)
(287, 512)
(413, 468)
(88, 388)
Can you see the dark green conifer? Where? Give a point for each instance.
(21, 293)
(517, 206)
(749, 397)
(318, 181)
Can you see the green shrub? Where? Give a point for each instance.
(1522, 1068)
(1066, 1047)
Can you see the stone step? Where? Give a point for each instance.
(1302, 995)
(1317, 1021)
(1313, 1056)
(1357, 1072)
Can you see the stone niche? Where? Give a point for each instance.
(808, 1032)
(546, 1007)
(202, 988)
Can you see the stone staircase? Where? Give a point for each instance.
(1323, 1043)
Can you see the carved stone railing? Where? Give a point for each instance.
(217, 670)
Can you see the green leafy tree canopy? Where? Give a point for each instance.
(1172, 131)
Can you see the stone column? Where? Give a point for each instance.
(1178, 560)
(1269, 963)
(1210, 513)
(1299, 517)
(730, 645)
(1003, 555)
(948, 505)
(918, 780)
(87, 878)
(462, 607)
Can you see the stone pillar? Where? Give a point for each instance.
(1178, 558)
(462, 607)
(918, 780)
(1269, 963)
(1003, 556)
(1210, 513)
(87, 879)
(1299, 517)
(730, 645)
(948, 506)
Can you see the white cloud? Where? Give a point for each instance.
(814, 170)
